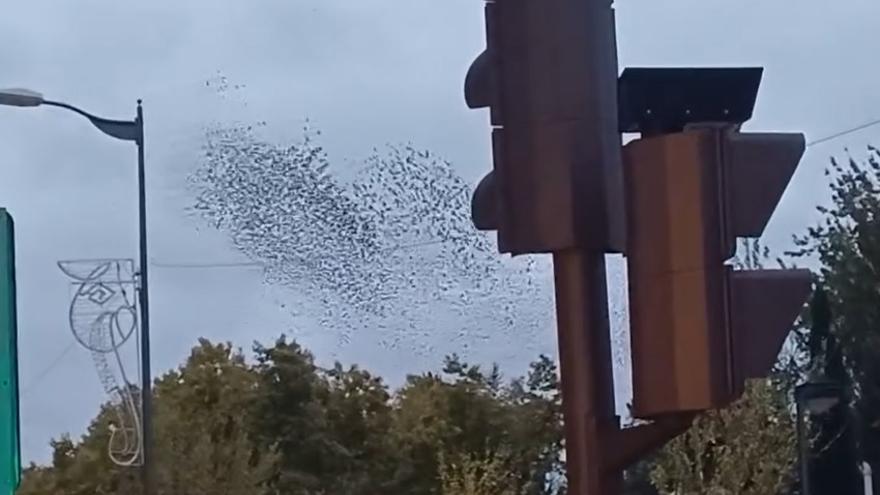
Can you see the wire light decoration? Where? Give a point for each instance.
(103, 318)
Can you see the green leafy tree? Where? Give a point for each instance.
(283, 425)
(37, 480)
(203, 443)
(331, 427)
(846, 243)
(434, 416)
(469, 474)
(358, 415)
(202, 416)
(637, 478)
(745, 449)
(288, 415)
(536, 427)
(81, 467)
(470, 418)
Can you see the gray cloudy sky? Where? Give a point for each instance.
(366, 72)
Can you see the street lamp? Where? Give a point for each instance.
(126, 130)
(17, 97)
(817, 396)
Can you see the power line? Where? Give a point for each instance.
(844, 133)
(255, 264)
(418, 244)
(48, 369)
(242, 264)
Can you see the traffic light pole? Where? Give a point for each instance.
(586, 369)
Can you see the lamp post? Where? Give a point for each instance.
(814, 397)
(126, 130)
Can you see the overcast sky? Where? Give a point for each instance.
(365, 72)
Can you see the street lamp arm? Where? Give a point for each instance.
(126, 130)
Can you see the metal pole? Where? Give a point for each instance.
(146, 376)
(803, 448)
(586, 369)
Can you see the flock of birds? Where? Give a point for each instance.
(392, 251)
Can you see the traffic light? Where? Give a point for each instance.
(694, 184)
(10, 458)
(549, 77)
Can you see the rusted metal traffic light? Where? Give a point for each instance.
(694, 184)
(549, 77)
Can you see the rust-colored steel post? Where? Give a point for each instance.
(586, 369)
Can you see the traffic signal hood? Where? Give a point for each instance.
(698, 327)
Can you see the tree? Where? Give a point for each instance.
(637, 477)
(203, 445)
(37, 480)
(358, 410)
(847, 244)
(283, 425)
(538, 428)
(470, 474)
(288, 414)
(747, 448)
(331, 427)
(82, 467)
(462, 426)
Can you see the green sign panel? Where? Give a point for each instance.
(10, 451)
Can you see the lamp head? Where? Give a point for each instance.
(18, 97)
